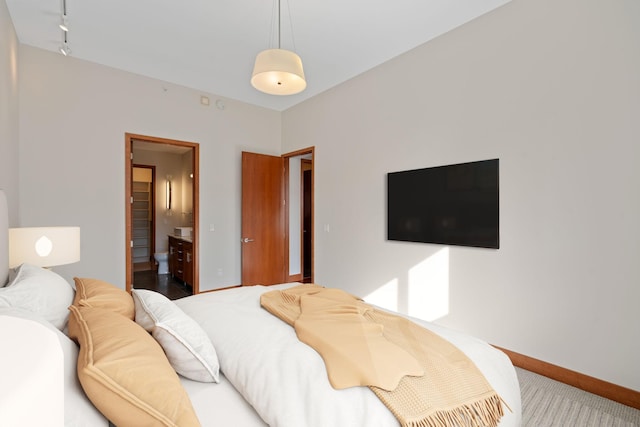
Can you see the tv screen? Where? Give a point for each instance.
(450, 205)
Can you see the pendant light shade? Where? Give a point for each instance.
(278, 72)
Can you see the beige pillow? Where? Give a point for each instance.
(100, 294)
(125, 373)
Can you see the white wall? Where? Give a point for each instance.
(9, 113)
(73, 119)
(187, 189)
(550, 87)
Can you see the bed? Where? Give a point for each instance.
(217, 358)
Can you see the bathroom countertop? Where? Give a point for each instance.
(185, 238)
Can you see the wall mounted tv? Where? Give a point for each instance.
(451, 205)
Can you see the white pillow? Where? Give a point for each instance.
(185, 343)
(40, 291)
(78, 409)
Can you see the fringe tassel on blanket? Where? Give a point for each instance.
(486, 412)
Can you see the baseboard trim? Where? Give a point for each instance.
(608, 390)
(220, 289)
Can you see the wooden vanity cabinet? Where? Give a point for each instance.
(181, 260)
(187, 248)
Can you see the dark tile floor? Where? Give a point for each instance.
(163, 283)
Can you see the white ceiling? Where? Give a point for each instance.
(210, 45)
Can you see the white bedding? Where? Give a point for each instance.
(285, 380)
(220, 404)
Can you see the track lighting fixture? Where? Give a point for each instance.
(64, 49)
(64, 24)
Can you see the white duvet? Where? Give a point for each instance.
(285, 380)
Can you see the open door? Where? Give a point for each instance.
(263, 221)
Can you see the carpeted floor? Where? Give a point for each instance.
(547, 403)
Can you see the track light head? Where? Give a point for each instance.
(64, 24)
(64, 49)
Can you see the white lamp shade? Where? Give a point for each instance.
(278, 72)
(44, 246)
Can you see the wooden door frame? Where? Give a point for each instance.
(128, 143)
(287, 156)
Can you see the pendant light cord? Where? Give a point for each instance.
(293, 38)
(277, 8)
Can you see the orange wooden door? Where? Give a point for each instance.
(263, 232)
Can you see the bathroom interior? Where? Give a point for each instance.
(162, 218)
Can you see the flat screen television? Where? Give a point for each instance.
(450, 205)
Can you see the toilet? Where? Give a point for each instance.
(163, 262)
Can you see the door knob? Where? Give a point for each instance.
(246, 240)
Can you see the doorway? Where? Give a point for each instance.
(300, 216)
(143, 217)
(175, 204)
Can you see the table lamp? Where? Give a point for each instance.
(44, 246)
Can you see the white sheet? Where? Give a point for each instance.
(220, 404)
(285, 380)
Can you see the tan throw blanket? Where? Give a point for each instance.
(423, 379)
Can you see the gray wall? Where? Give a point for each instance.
(73, 119)
(9, 113)
(552, 88)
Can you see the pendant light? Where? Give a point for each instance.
(278, 71)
